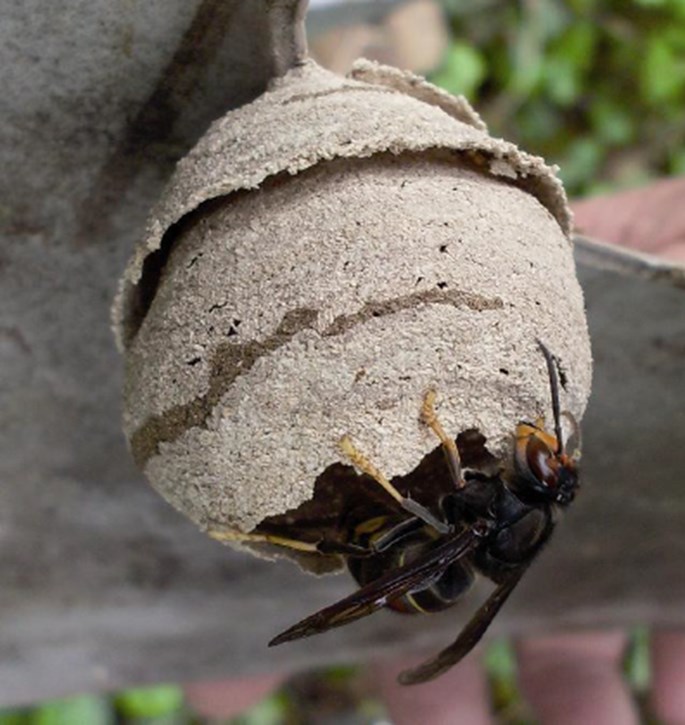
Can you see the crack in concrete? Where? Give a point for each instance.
(230, 360)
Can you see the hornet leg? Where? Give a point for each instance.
(323, 546)
(429, 417)
(357, 458)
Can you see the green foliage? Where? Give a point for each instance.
(149, 702)
(14, 717)
(83, 710)
(663, 67)
(463, 70)
(677, 162)
(638, 666)
(500, 666)
(340, 674)
(597, 86)
(270, 711)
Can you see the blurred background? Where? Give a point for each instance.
(595, 86)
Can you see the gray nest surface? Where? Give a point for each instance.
(324, 256)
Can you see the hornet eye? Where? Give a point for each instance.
(540, 463)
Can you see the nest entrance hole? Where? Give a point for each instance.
(342, 496)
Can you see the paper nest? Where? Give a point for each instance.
(323, 256)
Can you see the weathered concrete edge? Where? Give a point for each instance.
(597, 254)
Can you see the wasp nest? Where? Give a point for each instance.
(324, 256)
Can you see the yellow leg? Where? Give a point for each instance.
(225, 534)
(365, 466)
(358, 459)
(429, 417)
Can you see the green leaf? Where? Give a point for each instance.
(84, 710)
(463, 71)
(637, 662)
(527, 62)
(501, 669)
(578, 44)
(148, 702)
(500, 661)
(613, 123)
(14, 717)
(539, 122)
(270, 711)
(562, 80)
(583, 7)
(581, 162)
(662, 72)
(677, 163)
(341, 674)
(567, 62)
(675, 6)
